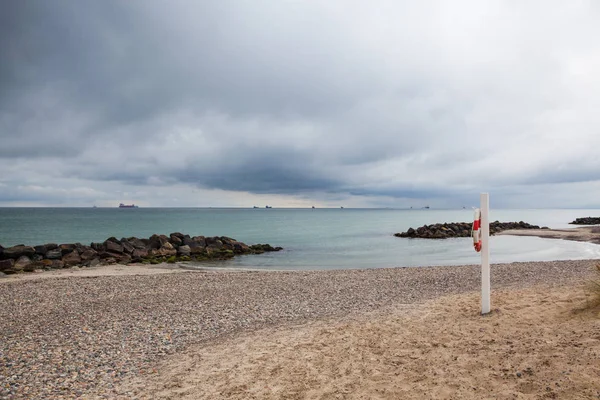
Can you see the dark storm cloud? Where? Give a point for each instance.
(390, 100)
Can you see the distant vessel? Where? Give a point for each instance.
(342, 207)
(268, 207)
(127, 206)
(255, 207)
(313, 206)
(426, 207)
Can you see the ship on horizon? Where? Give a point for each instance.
(121, 205)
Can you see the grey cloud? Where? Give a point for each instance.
(391, 100)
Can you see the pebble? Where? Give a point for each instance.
(80, 337)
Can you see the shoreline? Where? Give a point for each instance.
(590, 234)
(91, 335)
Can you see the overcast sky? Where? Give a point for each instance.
(299, 103)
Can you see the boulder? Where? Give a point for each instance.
(241, 248)
(459, 229)
(93, 263)
(7, 264)
(67, 248)
(586, 221)
(200, 240)
(127, 247)
(157, 241)
(184, 250)
(137, 243)
(41, 249)
(124, 259)
(18, 251)
(111, 258)
(71, 259)
(113, 246)
(88, 255)
(214, 243)
(54, 254)
(176, 238)
(178, 235)
(22, 263)
(261, 248)
(99, 247)
(159, 247)
(139, 254)
(45, 264)
(165, 250)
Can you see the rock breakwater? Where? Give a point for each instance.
(586, 221)
(154, 250)
(460, 229)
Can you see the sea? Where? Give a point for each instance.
(312, 239)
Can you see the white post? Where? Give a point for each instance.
(485, 253)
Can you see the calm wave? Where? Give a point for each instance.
(312, 238)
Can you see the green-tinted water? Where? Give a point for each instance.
(312, 238)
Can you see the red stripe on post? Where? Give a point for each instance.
(476, 224)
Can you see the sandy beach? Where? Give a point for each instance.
(376, 333)
(580, 234)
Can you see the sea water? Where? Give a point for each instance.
(311, 238)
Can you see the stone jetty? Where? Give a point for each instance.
(154, 250)
(460, 229)
(586, 221)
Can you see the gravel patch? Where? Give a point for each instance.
(79, 337)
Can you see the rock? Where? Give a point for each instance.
(88, 255)
(50, 255)
(55, 254)
(261, 248)
(176, 239)
(200, 240)
(158, 241)
(139, 254)
(177, 235)
(22, 263)
(165, 250)
(44, 248)
(459, 229)
(71, 259)
(113, 246)
(7, 264)
(586, 221)
(136, 243)
(124, 259)
(127, 247)
(67, 248)
(111, 258)
(196, 244)
(184, 250)
(18, 251)
(196, 249)
(99, 247)
(241, 248)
